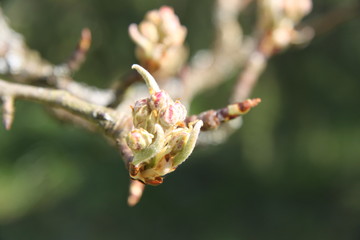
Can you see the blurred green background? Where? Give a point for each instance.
(291, 172)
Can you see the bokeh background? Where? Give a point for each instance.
(291, 172)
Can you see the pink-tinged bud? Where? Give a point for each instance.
(173, 114)
(180, 111)
(139, 104)
(141, 112)
(139, 139)
(160, 101)
(174, 33)
(159, 108)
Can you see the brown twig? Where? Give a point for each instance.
(77, 57)
(214, 118)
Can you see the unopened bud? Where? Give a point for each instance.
(160, 101)
(149, 30)
(153, 16)
(141, 113)
(282, 37)
(160, 38)
(173, 114)
(273, 12)
(174, 33)
(296, 10)
(178, 140)
(139, 139)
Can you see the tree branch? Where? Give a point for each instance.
(26, 66)
(249, 76)
(214, 118)
(231, 49)
(156, 136)
(107, 119)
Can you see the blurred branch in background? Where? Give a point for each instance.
(156, 134)
(334, 18)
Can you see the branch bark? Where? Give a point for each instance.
(108, 120)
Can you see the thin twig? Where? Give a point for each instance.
(82, 48)
(332, 19)
(98, 96)
(249, 76)
(77, 57)
(121, 86)
(212, 67)
(214, 118)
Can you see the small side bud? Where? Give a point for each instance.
(139, 139)
(154, 148)
(178, 140)
(141, 112)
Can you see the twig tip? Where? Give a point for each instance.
(8, 111)
(255, 102)
(135, 192)
(7, 121)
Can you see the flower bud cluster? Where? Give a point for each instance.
(159, 39)
(158, 109)
(160, 140)
(278, 19)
